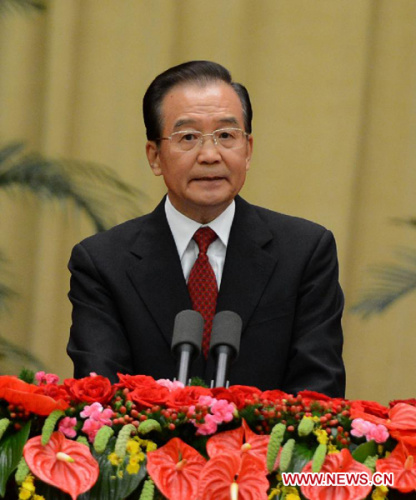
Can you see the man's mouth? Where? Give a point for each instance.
(209, 179)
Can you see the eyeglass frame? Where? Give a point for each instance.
(201, 138)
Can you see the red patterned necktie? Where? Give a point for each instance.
(202, 284)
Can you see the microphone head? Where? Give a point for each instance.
(226, 330)
(188, 329)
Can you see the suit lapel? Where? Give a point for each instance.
(157, 273)
(248, 264)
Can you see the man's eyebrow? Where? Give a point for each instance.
(184, 121)
(230, 119)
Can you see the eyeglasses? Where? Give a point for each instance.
(227, 138)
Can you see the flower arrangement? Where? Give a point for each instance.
(145, 439)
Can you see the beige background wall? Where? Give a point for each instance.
(333, 85)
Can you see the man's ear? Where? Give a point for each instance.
(249, 151)
(152, 153)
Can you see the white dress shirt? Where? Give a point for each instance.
(183, 230)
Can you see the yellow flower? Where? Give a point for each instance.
(24, 494)
(114, 459)
(133, 468)
(273, 493)
(28, 484)
(151, 446)
(133, 447)
(321, 436)
(380, 493)
(38, 497)
(332, 448)
(292, 496)
(290, 493)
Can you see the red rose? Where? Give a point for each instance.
(411, 401)
(187, 396)
(244, 395)
(148, 396)
(368, 409)
(29, 396)
(93, 389)
(274, 396)
(56, 392)
(133, 381)
(222, 393)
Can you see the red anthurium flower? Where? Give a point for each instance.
(232, 476)
(402, 463)
(242, 440)
(175, 468)
(63, 463)
(400, 420)
(29, 396)
(338, 462)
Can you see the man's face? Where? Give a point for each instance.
(201, 182)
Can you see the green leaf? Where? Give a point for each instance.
(302, 454)
(11, 450)
(365, 450)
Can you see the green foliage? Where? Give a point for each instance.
(102, 438)
(276, 439)
(11, 448)
(364, 450)
(27, 376)
(148, 490)
(319, 457)
(49, 425)
(149, 425)
(198, 382)
(286, 455)
(22, 471)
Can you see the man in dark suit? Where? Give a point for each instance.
(279, 273)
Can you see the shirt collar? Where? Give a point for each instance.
(183, 228)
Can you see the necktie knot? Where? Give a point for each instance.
(204, 236)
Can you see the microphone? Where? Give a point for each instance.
(186, 341)
(225, 343)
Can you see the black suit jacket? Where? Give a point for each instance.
(280, 275)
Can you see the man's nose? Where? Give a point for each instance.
(208, 150)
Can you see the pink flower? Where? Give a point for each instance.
(209, 426)
(46, 378)
(223, 410)
(91, 427)
(96, 417)
(360, 427)
(96, 412)
(376, 432)
(171, 386)
(67, 427)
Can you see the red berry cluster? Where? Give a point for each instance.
(17, 414)
(333, 416)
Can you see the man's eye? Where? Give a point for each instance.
(188, 137)
(227, 135)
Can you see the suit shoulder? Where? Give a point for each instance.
(120, 234)
(279, 222)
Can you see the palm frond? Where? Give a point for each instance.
(5, 291)
(13, 359)
(18, 5)
(390, 282)
(94, 188)
(408, 221)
